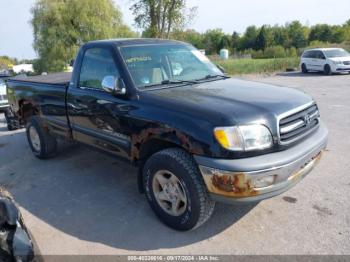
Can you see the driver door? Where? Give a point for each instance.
(320, 61)
(97, 117)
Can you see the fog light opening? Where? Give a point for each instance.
(265, 181)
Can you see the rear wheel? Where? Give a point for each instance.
(11, 120)
(42, 144)
(176, 191)
(304, 69)
(327, 70)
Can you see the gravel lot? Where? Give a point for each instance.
(85, 202)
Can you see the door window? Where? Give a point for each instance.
(313, 54)
(307, 54)
(97, 64)
(320, 55)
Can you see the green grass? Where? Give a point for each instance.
(256, 66)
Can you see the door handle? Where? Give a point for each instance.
(77, 105)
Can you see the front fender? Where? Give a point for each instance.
(166, 134)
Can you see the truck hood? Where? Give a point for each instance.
(231, 101)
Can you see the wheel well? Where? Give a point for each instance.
(26, 110)
(147, 149)
(153, 146)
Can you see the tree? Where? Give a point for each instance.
(249, 38)
(189, 36)
(321, 32)
(235, 40)
(7, 62)
(338, 34)
(212, 40)
(297, 34)
(225, 42)
(61, 26)
(261, 39)
(160, 17)
(280, 36)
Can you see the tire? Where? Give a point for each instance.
(304, 69)
(9, 120)
(197, 208)
(10, 127)
(327, 70)
(13, 122)
(44, 145)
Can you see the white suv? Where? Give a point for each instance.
(3, 96)
(327, 60)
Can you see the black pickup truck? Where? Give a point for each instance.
(196, 135)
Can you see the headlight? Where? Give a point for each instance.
(244, 138)
(337, 62)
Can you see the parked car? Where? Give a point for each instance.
(326, 60)
(15, 241)
(3, 96)
(196, 135)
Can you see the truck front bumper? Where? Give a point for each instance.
(257, 178)
(340, 68)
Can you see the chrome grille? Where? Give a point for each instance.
(299, 124)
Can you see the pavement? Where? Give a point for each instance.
(84, 202)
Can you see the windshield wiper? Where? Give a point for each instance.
(208, 77)
(165, 82)
(171, 82)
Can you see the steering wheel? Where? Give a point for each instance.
(186, 71)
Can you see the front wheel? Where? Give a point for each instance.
(176, 191)
(327, 70)
(42, 144)
(304, 69)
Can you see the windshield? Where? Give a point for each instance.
(336, 53)
(151, 65)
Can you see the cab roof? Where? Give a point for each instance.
(136, 41)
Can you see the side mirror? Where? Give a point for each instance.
(71, 63)
(113, 85)
(221, 69)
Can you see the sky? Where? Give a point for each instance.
(16, 35)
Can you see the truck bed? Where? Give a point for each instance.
(52, 79)
(47, 93)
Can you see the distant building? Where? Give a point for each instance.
(23, 68)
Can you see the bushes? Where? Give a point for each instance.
(274, 52)
(249, 66)
(319, 44)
